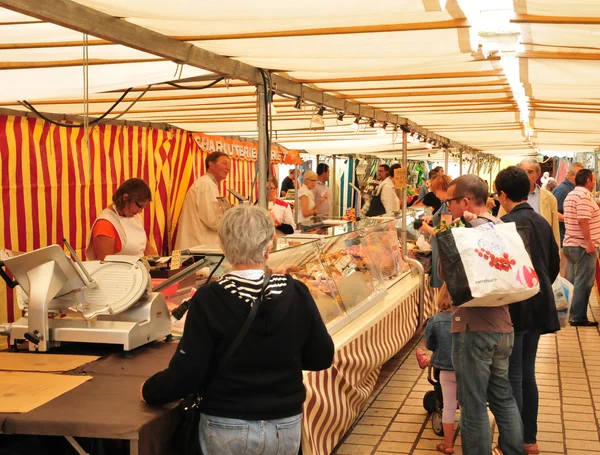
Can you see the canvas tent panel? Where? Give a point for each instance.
(52, 83)
(54, 54)
(241, 10)
(38, 32)
(433, 83)
(562, 35)
(223, 25)
(436, 43)
(580, 8)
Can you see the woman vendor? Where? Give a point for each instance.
(280, 211)
(119, 228)
(308, 206)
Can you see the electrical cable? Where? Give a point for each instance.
(103, 116)
(178, 312)
(132, 103)
(74, 125)
(183, 87)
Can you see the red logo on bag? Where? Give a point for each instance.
(502, 262)
(526, 276)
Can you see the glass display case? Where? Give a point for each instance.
(347, 271)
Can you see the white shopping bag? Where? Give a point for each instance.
(487, 265)
(563, 295)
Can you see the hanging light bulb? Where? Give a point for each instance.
(356, 123)
(298, 104)
(340, 116)
(381, 130)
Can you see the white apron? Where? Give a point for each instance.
(130, 230)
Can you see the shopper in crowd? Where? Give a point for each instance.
(253, 403)
(321, 189)
(540, 200)
(430, 199)
(482, 340)
(289, 183)
(537, 315)
(438, 338)
(119, 228)
(551, 185)
(424, 190)
(309, 206)
(582, 239)
(440, 188)
(385, 201)
(560, 193)
(280, 211)
(199, 215)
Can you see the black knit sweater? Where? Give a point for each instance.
(262, 380)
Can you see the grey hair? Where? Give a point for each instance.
(532, 161)
(575, 167)
(245, 233)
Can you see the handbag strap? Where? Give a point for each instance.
(244, 330)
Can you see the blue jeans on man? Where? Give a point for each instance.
(521, 373)
(581, 272)
(480, 361)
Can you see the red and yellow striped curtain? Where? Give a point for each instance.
(53, 188)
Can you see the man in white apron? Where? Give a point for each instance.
(201, 211)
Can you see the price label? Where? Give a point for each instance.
(400, 178)
(175, 260)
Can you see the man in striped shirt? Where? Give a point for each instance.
(582, 238)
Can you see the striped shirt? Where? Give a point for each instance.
(580, 205)
(248, 287)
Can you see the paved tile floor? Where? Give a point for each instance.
(568, 377)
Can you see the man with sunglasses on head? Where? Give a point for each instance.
(482, 340)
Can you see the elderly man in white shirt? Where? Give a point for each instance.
(200, 215)
(542, 201)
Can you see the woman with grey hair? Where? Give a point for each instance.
(253, 403)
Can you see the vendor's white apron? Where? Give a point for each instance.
(130, 230)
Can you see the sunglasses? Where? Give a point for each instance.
(447, 201)
(141, 207)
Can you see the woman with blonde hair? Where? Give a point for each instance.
(438, 338)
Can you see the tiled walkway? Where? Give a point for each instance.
(568, 376)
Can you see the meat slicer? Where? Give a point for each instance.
(108, 301)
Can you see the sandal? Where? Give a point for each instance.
(441, 447)
(531, 448)
(422, 359)
(496, 451)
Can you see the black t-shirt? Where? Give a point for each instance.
(431, 200)
(287, 184)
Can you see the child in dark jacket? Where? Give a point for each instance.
(438, 338)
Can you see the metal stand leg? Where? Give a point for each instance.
(76, 445)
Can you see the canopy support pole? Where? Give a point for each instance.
(446, 160)
(404, 239)
(460, 163)
(262, 148)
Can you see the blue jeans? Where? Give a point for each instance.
(521, 373)
(581, 272)
(223, 436)
(480, 361)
